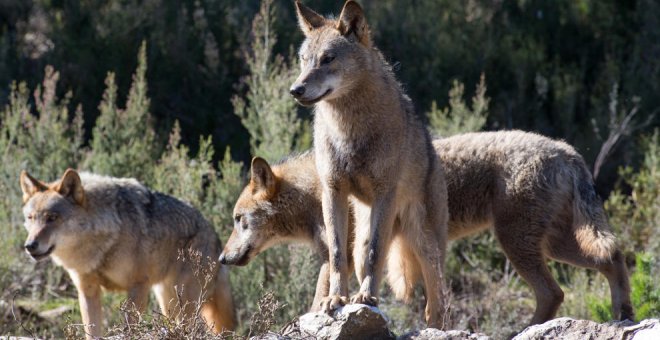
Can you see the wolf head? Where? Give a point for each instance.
(48, 211)
(254, 217)
(334, 56)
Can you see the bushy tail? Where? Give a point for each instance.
(403, 269)
(592, 231)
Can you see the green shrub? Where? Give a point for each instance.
(267, 111)
(644, 293)
(123, 142)
(458, 117)
(635, 216)
(645, 289)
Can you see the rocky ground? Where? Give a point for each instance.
(365, 322)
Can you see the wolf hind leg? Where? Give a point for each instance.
(567, 250)
(524, 250)
(218, 310)
(403, 269)
(177, 297)
(426, 236)
(138, 299)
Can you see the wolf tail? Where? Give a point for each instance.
(592, 231)
(403, 269)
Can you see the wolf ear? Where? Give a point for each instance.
(30, 185)
(308, 20)
(71, 186)
(352, 20)
(263, 180)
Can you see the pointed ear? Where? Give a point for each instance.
(352, 20)
(30, 185)
(71, 186)
(308, 20)
(263, 180)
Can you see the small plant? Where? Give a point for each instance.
(264, 319)
(458, 117)
(644, 293)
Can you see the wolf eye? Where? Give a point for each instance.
(237, 218)
(51, 217)
(327, 59)
(30, 217)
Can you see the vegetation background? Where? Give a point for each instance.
(208, 90)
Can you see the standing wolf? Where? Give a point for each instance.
(535, 193)
(369, 148)
(117, 234)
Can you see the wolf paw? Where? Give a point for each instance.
(365, 299)
(329, 304)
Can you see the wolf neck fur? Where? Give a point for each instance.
(301, 208)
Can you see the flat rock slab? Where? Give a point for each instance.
(436, 334)
(570, 329)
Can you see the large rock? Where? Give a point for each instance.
(353, 321)
(436, 334)
(570, 329)
(364, 322)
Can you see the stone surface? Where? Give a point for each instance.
(570, 329)
(434, 333)
(353, 321)
(365, 322)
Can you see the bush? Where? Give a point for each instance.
(458, 117)
(123, 142)
(644, 295)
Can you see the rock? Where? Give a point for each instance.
(364, 322)
(434, 333)
(353, 321)
(570, 329)
(648, 329)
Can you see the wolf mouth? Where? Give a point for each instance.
(245, 258)
(316, 100)
(43, 255)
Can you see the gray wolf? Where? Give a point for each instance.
(534, 192)
(370, 148)
(117, 234)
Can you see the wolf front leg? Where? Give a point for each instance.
(89, 297)
(372, 239)
(335, 216)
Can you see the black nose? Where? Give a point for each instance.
(31, 246)
(222, 259)
(297, 90)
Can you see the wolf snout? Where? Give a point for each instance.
(236, 258)
(36, 250)
(31, 246)
(297, 90)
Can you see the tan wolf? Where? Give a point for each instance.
(117, 234)
(536, 193)
(371, 149)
